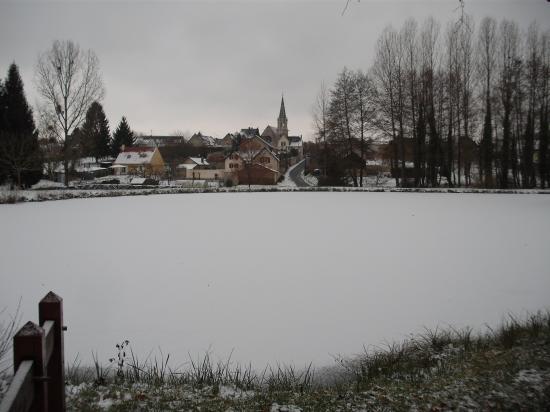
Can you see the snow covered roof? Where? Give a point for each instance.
(86, 161)
(80, 168)
(186, 166)
(199, 161)
(137, 181)
(295, 141)
(135, 156)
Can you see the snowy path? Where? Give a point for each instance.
(296, 174)
(288, 277)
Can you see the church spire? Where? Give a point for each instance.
(282, 121)
(282, 113)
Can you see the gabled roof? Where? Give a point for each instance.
(265, 149)
(270, 131)
(263, 142)
(263, 166)
(135, 156)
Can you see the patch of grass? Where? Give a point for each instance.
(505, 368)
(7, 332)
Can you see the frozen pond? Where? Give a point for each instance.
(287, 277)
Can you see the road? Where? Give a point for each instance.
(295, 175)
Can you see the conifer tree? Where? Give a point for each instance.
(123, 135)
(3, 170)
(95, 132)
(19, 149)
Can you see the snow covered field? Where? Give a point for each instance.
(278, 277)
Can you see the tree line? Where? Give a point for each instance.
(463, 105)
(71, 120)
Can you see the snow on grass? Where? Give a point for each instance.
(310, 179)
(278, 277)
(284, 408)
(47, 184)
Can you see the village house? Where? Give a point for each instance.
(200, 140)
(85, 168)
(216, 159)
(227, 141)
(296, 143)
(198, 168)
(254, 165)
(140, 161)
(233, 162)
(250, 132)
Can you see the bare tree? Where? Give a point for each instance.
(466, 96)
(508, 61)
(365, 108)
(486, 46)
(544, 89)
(341, 118)
(69, 81)
(409, 35)
(384, 74)
(533, 70)
(429, 52)
(320, 121)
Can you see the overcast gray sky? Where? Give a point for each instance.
(218, 66)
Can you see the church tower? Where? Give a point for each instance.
(282, 121)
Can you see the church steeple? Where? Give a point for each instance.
(282, 121)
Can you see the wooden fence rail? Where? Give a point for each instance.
(39, 379)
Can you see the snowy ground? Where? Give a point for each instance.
(287, 181)
(278, 277)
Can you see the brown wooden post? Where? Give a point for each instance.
(51, 308)
(28, 344)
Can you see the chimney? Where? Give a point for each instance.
(122, 147)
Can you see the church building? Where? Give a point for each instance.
(278, 136)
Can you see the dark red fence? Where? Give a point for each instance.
(39, 380)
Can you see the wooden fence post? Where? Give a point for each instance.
(51, 308)
(28, 344)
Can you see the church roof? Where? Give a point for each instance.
(270, 131)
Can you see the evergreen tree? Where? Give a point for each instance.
(19, 149)
(123, 135)
(96, 136)
(1, 103)
(3, 169)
